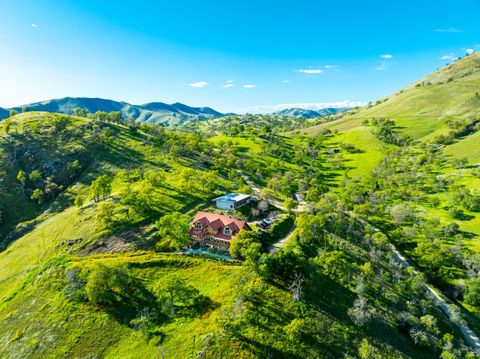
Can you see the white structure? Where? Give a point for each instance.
(232, 201)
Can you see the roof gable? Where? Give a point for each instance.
(217, 221)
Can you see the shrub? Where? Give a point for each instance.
(472, 292)
(455, 213)
(79, 200)
(38, 196)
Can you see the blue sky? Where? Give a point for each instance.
(231, 55)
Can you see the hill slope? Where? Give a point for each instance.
(155, 112)
(420, 111)
(307, 114)
(424, 106)
(93, 270)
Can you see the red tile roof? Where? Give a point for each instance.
(217, 222)
(226, 220)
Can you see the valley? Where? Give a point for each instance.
(96, 210)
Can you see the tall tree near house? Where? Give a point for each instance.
(311, 232)
(173, 230)
(241, 246)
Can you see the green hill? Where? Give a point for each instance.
(300, 112)
(421, 143)
(91, 271)
(154, 112)
(467, 147)
(422, 107)
(420, 111)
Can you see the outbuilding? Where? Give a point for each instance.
(232, 201)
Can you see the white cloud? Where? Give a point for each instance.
(228, 84)
(285, 81)
(450, 29)
(249, 86)
(470, 51)
(382, 67)
(199, 84)
(34, 25)
(449, 57)
(318, 70)
(310, 71)
(386, 56)
(307, 106)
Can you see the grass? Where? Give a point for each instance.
(420, 112)
(466, 148)
(370, 151)
(81, 329)
(242, 143)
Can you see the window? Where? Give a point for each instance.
(198, 225)
(227, 231)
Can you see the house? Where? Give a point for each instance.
(232, 201)
(215, 230)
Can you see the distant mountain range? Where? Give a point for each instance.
(3, 113)
(153, 112)
(300, 112)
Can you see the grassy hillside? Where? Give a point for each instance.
(422, 109)
(423, 143)
(94, 272)
(442, 108)
(64, 234)
(467, 147)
